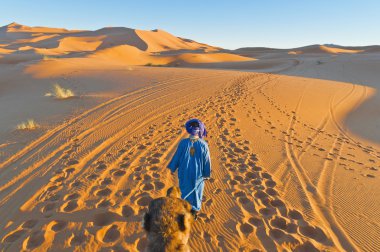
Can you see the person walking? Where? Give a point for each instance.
(192, 159)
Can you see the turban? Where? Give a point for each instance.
(196, 127)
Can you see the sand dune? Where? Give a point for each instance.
(211, 58)
(19, 28)
(134, 47)
(288, 174)
(312, 49)
(159, 40)
(79, 44)
(133, 56)
(124, 56)
(324, 49)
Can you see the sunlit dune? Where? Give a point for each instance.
(159, 40)
(324, 49)
(79, 44)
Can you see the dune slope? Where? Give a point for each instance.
(285, 172)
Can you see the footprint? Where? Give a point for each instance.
(257, 222)
(33, 241)
(127, 211)
(48, 207)
(251, 175)
(292, 228)
(246, 228)
(54, 197)
(51, 188)
(232, 182)
(76, 240)
(58, 225)
(277, 203)
(279, 222)
(271, 192)
(125, 165)
(144, 201)
(76, 184)
(70, 206)
(103, 203)
(276, 233)
(72, 162)
(124, 193)
(106, 181)
(57, 179)
(92, 177)
(154, 161)
(270, 183)
(103, 192)
(157, 155)
(207, 237)
(101, 166)
(209, 202)
(147, 177)
(68, 171)
(156, 175)
(118, 173)
(260, 195)
(29, 224)
(267, 211)
(266, 175)
(295, 215)
(244, 200)
(110, 235)
(71, 196)
(14, 235)
(159, 185)
(153, 168)
(148, 187)
(313, 233)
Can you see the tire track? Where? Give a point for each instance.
(316, 201)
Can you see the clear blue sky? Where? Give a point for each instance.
(229, 24)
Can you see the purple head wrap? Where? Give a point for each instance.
(196, 127)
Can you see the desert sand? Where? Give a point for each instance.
(294, 141)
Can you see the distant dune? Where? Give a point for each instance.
(324, 49)
(311, 49)
(21, 43)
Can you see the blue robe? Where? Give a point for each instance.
(192, 169)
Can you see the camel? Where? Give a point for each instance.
(168, 223)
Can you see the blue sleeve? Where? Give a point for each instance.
(207, 163)
(174, 163)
